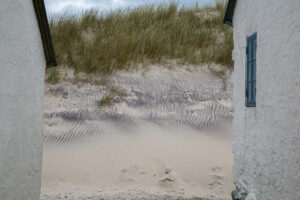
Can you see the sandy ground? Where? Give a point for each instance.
(175, 152)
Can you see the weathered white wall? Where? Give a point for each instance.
(22, 67)
(267, 138)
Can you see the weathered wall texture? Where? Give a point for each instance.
(22, 66)
(267, 138)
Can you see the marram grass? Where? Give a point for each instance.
(103, 43)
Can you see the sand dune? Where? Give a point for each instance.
(176, 152)
(173, 160)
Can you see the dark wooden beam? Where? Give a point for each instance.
(229, 12)
(42, 19)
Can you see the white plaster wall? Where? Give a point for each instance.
(22, 65)
(267, 138)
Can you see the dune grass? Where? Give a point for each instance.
(52, 76)
(106, 42)
(114, 95)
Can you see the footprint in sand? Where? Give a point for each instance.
(217, 178)
(126, 180)
(142, 172)
(130, 174)
(168, 178)
(217, 181)
(216, 169)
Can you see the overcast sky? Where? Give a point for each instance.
(56, 6)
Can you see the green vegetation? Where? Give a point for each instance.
(52, 76)
(91, 79)
(104, 43)
(106, 101)
(114, 90)
(114, 95)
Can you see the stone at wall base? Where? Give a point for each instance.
(238, 194)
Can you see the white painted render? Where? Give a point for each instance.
(22, 66)
(267, 137)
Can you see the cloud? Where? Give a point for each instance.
(81, 4)
(56, 6)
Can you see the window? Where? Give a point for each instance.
(251, 71)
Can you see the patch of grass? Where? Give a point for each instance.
(221, 73)
(118, 92)
(91, 79)
(114, 95)
(103, 81)
(106, 42)
(52, 76)
(106, 101)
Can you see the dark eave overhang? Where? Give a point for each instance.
(41, 15)
(229, 12)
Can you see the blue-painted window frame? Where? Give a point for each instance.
(251, 70)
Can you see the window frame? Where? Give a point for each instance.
(251, 51)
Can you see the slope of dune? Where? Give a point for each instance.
(169, 137)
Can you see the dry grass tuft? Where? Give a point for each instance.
(52, 76)
(115, 95)
(106, 101)
(103, 43)
(114, 90)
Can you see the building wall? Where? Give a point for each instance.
(22, 66)
(267, 137)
